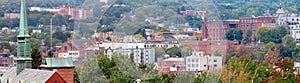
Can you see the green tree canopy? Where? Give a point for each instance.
(36, 56)
(234, 34)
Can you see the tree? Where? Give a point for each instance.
(288, 44)
(186, 51)
(63, 36)
(36, 56)
(263, 35)
(285, 74)
(270, 53)
(296, 53)
(50, 54)
(234, 34)
(248, 37)
(174, 51)
(94, 76)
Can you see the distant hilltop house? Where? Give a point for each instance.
(11, 15)
(75, 13)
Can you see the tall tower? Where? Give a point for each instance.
(24, 55)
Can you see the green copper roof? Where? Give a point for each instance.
(95, 34)
(57, 62)
(24, 47)
(23, 30)
(296, 26)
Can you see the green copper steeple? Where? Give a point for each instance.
(24, 50)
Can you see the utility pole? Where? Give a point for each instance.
(51, 36)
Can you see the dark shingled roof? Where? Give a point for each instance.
(27, 75)
(81, 42)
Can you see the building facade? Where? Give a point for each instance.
(295, 33)
(200, 62)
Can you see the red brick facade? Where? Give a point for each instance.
(254, 23)
(55, 78)
(66, 73)
(209, 47)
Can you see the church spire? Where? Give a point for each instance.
(24, 54)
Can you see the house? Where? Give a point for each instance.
(5, 60)
(63, 66)
(11, 15)
(31, 76)
(77, 47)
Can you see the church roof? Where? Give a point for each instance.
(27, 75)
(57, 63)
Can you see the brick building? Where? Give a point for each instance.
(253, 23)
(209, 47)
(215, 31)
(5, 60)
(31, 76)
(63, 66)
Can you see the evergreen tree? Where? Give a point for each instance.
(36, 56)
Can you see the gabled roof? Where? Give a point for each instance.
(27, 75)
(57, 63)
(81, 42)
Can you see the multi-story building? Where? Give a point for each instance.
(287, 20)
(254, 23)
(214, 31)
(140, 55)
(295, 33)
(200, 62)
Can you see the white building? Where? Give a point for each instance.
(200, 62)
(295, 33)
(115, 45)
(140, 55)
(72, 54)
(287, 19)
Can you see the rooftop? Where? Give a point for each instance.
(57, 62)
(28, 75)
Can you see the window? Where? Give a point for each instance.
(189, 60)
(192, 60)
(215, 60)
(197, 65)
(193, 65)
(215, 65)
(55, 81)
(189, 65)
(196, 60)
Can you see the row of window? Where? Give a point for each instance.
(197, 60)
(197, 65)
